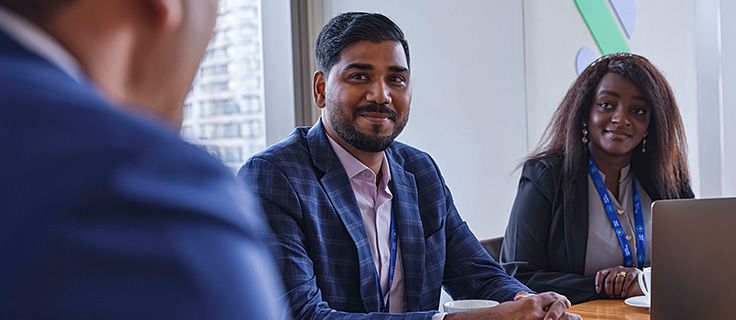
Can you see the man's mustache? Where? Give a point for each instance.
(378, 108)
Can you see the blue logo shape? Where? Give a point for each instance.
(640, 257)
(586, 56)
(619, 232)
(626, 11)
(609, 208)
(640, 228)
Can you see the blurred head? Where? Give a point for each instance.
(142, 53)
(363, 82)
(645, 106)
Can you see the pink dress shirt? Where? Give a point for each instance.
(375, 207)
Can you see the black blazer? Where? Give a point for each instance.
(547, 237)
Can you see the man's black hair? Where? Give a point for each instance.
(351, 27)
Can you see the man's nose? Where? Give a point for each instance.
(379, 93)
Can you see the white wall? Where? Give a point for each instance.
(728, 107)
(468, 105)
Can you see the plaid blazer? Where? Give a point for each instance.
(327, 265)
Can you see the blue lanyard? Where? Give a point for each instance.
(641, 244)
(392, 239)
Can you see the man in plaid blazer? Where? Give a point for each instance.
(367, 226)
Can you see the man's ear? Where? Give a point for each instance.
(318, 89)
(168, 13)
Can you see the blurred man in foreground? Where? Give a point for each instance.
(106, 212)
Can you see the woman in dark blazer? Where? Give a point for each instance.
(581, 221)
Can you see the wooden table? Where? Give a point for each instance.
(609, 309)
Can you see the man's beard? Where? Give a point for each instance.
(343, 125)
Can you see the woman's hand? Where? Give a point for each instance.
(618, 282)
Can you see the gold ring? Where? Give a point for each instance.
(621, 274)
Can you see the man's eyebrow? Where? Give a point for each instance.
(360, 66)
(398, 69)
(366, 66)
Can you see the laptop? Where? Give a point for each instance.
(694, 259)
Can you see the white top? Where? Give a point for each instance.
(38, 41)
(604, 250)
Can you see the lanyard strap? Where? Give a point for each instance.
(641, 245)
(392, 240)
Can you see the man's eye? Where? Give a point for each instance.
(396, 79)
(359, 76)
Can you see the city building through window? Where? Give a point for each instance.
(224, 112)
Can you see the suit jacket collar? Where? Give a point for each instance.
(34, 39)
(577, 218)
(409, 226)
(405, 206)
(337, 186)
(25, 64)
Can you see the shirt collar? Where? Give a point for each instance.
(353, 166)
(36, 40)
(623, 175)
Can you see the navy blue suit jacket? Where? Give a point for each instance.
(108, 215)
(327, 264)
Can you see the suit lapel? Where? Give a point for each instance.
(577, 216)
(337, 186)
(409, 226)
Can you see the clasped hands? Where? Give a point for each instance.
(618, 282)
(526, 306)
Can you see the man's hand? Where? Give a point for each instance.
(618, 282)
(526, 306)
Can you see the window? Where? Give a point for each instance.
(224, 112)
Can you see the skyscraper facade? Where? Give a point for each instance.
(224, 111)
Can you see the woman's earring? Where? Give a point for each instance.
(644, 142)
(585, 133)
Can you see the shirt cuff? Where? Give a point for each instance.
(439, 316)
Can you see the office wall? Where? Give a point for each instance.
(468, 105)
(728, 96)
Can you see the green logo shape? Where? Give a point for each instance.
(602, 26)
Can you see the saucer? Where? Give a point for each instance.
(638, 301)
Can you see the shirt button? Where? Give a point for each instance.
(628, 237)
(620, 211)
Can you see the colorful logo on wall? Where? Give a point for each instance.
(604, 28)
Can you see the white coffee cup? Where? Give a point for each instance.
(468, 305)
(645, 282)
